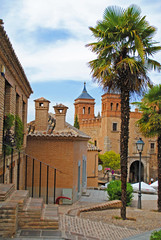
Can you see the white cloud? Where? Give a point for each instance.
(65, 59)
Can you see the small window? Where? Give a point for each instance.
(95, 142)
(89, 110)
(41, 104)
(117, 106)
(17, 104)
(83, 110)
(111, 106)
(60, 110)
(114, 127)
(152, 145)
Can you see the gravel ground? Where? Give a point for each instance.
(143, 220)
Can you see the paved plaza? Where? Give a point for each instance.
(77, 228)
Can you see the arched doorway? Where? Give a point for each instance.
(134, 172)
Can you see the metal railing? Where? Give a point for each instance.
(29, 165)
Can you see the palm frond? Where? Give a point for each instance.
(153, 65)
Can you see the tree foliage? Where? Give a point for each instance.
(114, 191)
(13, 132)
(76, 123)
(110, 159)
(150, 124)
(19, 132)
(125, 48)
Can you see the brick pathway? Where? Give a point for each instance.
(76, 228)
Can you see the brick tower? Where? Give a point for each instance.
(84, 106)
(41, 114)
(60, 115)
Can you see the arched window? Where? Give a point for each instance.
(83, 110)
(117, 106)
(89, 110)
(111, 106)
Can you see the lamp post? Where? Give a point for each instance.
(139, 146)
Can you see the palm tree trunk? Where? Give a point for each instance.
(125, 112)
(159, 173)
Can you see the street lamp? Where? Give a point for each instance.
(139, 146)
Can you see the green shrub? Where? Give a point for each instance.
(8, 121)
(156, 235)
(13, 133)
(19, 132)
(114, 191)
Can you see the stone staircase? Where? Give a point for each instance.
(19, 211)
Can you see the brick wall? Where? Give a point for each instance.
(92, 168)
(2, 88)
(62, 154)
(12, 82)
(107, 139)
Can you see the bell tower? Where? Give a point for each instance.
(84, 106)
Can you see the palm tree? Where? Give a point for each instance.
(150, 124)
(124, 44)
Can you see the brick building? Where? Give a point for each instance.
(92, 166)
(61, 146)
(104, 131)
(14, 93)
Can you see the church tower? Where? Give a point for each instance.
(84, 106)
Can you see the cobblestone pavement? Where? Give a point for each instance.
(79, 228)
(104, 225)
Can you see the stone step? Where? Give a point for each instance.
(39, 233)
(20, 197)
(31, 211)
(33, 205)
(38, 225)
(50, 213)
(8, 218)
(47, 218)
(5, 191)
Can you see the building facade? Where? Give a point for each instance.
(104, 131)
(14, 93)
(60, 146)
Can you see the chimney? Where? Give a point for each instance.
(60, 115)
(41, 114)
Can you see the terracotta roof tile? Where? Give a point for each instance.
(69, 131)
(92, 147)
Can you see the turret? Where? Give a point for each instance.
(84, 105)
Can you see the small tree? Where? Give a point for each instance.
(110, 159)
(150, 124)
(76, 123)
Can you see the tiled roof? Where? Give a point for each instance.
(92, 147)
(42, 99)
(10, 56)
(69, 131)
(61, 105)
(84, 94)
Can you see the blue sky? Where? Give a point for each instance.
(49, 38)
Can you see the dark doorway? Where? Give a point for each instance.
(134, 172)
